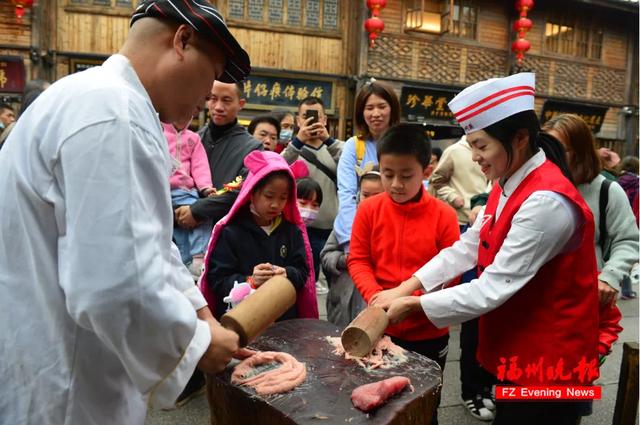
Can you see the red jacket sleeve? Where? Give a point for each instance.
(359, 260)
(608, 328)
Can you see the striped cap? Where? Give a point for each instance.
(205, 19)
(487, 102)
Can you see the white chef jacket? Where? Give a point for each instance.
(546, 224)
(97, 312)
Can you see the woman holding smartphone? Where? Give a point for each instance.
(537, 290)
(377, 108)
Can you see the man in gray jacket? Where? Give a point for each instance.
(321, 153)
(226, 143)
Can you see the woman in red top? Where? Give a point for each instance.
(537, 294)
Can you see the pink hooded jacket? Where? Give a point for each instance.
(259, 164)
(190, 163)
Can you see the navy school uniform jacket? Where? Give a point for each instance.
(243, 244)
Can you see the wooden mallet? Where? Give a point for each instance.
(257, 312)
(363, 333)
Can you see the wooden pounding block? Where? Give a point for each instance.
(253, 315)
(325, 396)
(362, 334)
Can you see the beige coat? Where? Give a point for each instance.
(457, 175)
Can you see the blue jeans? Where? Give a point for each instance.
(190, 242)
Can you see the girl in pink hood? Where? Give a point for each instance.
(262, 235)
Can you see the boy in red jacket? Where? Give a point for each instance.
(395, 232)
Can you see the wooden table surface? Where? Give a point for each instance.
(325, 396)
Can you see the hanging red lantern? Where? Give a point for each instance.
(520, 47)
(523, 6)
(376, 6)
(522, 24)
(21, 5)
(373, 25)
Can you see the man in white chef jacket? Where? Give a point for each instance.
(99, 317)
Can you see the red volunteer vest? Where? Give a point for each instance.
(547, 333)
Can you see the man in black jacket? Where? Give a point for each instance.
(226, 143)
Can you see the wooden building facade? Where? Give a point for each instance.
(584, 53)
(298, 48)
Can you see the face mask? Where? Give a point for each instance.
(308, 215)
(1, 125)
(286, 135)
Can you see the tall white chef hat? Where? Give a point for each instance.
(487, 102)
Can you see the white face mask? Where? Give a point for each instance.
(286, 135)
(308, 215)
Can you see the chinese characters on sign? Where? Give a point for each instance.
(585, 371)
(420, 104)
(77, 65)
(12, 75)
(592, 115)
(274, 92)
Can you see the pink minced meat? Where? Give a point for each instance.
(376, 358)
(369, 396)
(286, 377)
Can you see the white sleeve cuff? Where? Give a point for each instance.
(195, 296)
(165, 393)
(429, 275)
(437, 306)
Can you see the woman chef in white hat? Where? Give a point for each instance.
(537, 289)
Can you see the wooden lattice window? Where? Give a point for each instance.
(320, 15)
(573, 37)
(455, 17)
(459, 18)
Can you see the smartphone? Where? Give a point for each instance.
(312, 113)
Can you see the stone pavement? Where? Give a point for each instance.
(451, 410)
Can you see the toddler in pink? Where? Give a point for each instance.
(190, 179)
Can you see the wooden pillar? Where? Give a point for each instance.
(43, 64)
(626, 408)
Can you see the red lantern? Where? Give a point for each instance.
(376, 6)
(373, 25)
(519, 47)
(21, 5)
(523, 6)
(522, 24)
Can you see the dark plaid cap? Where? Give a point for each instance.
(206, 20)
